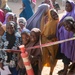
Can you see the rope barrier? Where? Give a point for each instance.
(43, 45)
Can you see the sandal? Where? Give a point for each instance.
(60, 71)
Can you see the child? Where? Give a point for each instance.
(67, 47)
(49, 35)
(69, 24)
(35, 54)
(12, 42)
(25, 35)
(22, 24)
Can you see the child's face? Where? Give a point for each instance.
(68, 7)
(33, 37)
(67, 26)
(25, 39)
(54, 15)
(1, 31)
(10, 29)
(21, 25)
(9, 18)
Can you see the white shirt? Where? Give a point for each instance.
(6, 71)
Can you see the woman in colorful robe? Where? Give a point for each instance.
(67, 48)
(35, 20)
(27, 11)
(48, 31)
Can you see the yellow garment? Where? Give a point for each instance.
(49, 29)
(3, 3)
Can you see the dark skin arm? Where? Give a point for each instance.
(60, 25)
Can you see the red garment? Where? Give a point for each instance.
(2, 16)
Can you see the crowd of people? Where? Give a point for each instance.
(35, 28)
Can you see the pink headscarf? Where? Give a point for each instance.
(34, 1)
(2, 16)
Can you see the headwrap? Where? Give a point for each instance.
(36, 31)
(34, 21)
(8, 14)
(22, 21)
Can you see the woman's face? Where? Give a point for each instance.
(10, 18)
(25, 38)
(54, 15)
(67, 26)
(10, 29)
(68, 7)
(33, 37)
(1, 31)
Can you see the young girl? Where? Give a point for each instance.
(48, 31)
(11, 42)
(25, 35)
(35, 54)
(22, 24)
(66, 48)
(69, 25)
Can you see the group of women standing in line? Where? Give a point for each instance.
(40, 28)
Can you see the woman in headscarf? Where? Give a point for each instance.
(2, 16)
(35, 20)
(48, 31)
(67, 48)
(8, 17)
(27, 11)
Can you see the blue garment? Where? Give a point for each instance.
(27, 11)
(14, 71)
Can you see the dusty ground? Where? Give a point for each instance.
(15, 7)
